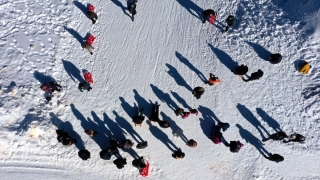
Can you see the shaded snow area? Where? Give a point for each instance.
(159, 58)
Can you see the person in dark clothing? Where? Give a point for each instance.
(142, 145)
(84, 154)
(93, 16)
(106, 154)
(164, 124)
(192, 143)
(114, 142)
(139, 163)
(132, 8)
(194, 111)
(223, 126)
(230, 22)
(274, 157)
(155, 113)
(87, 46)
(275, 58)
(138, 118)
(278, 136)
(120, 162)
(181, 112)
(197, 92)
(178, 154)
(50, 87)
(90, 132)
(216, 137)
(235, 146)
(127, 144)
(240, 70)
(84, 86)
(207, 13)
(255, 76)
(64, 138)
(295, 138)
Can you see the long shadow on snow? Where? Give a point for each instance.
(224, 58)
(194, 69)
(177, 77)
(24, 124)
(128, 127)
(173, 125)
(72, 71)
(257, 143)
(164, 97)
(75, 34)
(208, 120)
(269, 120)
(101, 137)
(67, 127)
(192, 8)
(156, 132)
(247, 114)
(42, 78)
(180, 100)
(142, 103)
(261, 51)
(82, 7)
(118, 3)
(130, 110)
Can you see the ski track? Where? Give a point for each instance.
(131, 66)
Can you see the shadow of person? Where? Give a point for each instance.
(43, 78)
(130, 110)
(156, 132)
(82, 7)
(67, 127)
(75, 34)
(269, 120)
(192, 8)
(261, 51)
(116, 130)
(128, 127)
(180, 100)
(72, 71)
(164, 97)
(174, 127)
(142, 103)
(224, 58)
(252, 140)
(247, 114)
(177, 77)
(194, 69)
(118, 3)
(208, 113)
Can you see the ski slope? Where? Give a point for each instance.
(159, 58)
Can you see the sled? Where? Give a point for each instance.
(145, 171)
(88, 77)
(91, 8)
(212, 19)
(90, 39)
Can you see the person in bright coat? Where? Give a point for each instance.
(213, 80)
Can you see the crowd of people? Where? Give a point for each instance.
(216, 135)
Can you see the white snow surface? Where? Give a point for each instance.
(158, 58)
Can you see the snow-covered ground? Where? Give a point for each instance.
(160, 57)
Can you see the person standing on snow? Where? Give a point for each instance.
(87, 46)
(274, 157)
(132, 8)
(84, 86)
(139, 163)
(84, 154)
(207, 13)
(178, 154)
(64, 138)
(127, 144)
(213, 80)
(275, 58)
(255, 76)
(155, 113)
(120, 162)
(295, 138)
(235, 146)
(192, 143)
(93, 16)
(278, 136)
(230, 22)
(138, 118)
(49, 88)
(240, 70)
(164, 124)
(90, 132)
(197, 92)
(181, 112)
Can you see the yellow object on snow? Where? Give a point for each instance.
(305, 69)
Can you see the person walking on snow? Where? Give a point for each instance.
(50, 87)
(213, 80)
(93, 16)
(194, 111)
(139, 163)
(192, 143)
(197, 92)
(132, 8)
(207, 13)
(138, 118)
(87, 46)
(295, 138)
(275, 58)
(230, 22)
(64, 138)
(278, 136)
(178, 154)
(84, 154)
(181, 112)
(155, 113)
(255, 76)
(120, 162)
(84, 86)
(274, 157)
(240, 70)
(235, 146)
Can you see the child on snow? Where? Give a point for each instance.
(178, 154)
(84, 86)
(84, 154)
(197, 92)
(132, 8)
(87, 46)
(64, 138)
(295, 138)
(213, 80)
(274, 157)
(139, 163)
(255, 76)
(207, 13)
(230, 22)
(278, 136)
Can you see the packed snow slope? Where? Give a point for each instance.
(158, 58)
